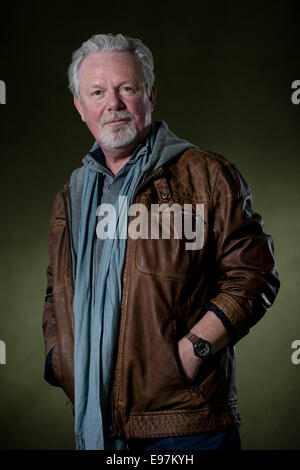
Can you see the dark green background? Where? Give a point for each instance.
(224, 72)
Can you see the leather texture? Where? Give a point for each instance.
(164, 289)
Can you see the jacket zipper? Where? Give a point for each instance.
(115, 414)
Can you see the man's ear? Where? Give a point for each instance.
(78, 106)
(152, 96)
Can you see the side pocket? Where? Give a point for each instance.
(193, 385)
(188, 381)
(49, 375)
(56, 363)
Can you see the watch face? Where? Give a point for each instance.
(202, 348)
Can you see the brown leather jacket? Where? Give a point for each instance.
(165, 291)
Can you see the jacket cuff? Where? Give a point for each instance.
(221, 315)
(48, 371)
(234, 315)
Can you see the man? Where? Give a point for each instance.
(142, 328)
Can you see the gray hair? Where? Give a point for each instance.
(108, 42)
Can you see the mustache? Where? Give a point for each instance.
(117, 116)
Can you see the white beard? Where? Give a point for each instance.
(118, 136)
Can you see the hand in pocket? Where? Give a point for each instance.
(189, 361)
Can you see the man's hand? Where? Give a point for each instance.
(209, 328)
(189, 361)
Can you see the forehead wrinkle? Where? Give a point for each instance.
(97, 83)
(113, 71)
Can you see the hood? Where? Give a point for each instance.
(165, 147)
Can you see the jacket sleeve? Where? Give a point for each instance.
(247, 277)
(52, 363)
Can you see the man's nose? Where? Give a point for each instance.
(113, 101)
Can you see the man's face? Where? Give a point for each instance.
(114, 102)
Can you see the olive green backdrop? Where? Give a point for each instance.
(224, 72)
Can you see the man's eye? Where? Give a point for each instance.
(96, 92)
(127, 90)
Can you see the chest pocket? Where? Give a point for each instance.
(174, 237)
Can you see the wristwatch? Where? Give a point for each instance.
(202, 348)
